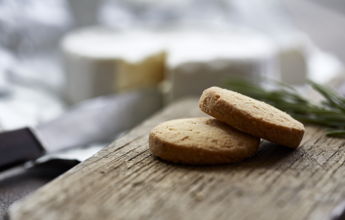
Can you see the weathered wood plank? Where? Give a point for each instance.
(124, 181)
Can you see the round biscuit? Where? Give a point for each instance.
(252, 116)
(200, 141)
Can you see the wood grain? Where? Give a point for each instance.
(124, 181)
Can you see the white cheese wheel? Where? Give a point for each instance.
(198, 60)
(292, 58)
(102, 61)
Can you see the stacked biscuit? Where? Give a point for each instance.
(231, 136)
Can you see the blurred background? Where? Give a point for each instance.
(56, 55)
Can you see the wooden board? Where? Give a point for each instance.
(124, 181)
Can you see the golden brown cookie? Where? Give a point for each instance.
(201, 141)
(252, 116)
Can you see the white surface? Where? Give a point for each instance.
(99, 43)
(324, 66)
(28, 107)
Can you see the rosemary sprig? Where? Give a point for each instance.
(330, 113)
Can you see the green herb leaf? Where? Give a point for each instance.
(330, 113)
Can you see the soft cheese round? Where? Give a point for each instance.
(100, 61)
(201, 141)
(252, 116)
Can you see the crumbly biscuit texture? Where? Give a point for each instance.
(200, 141)
(252, 116)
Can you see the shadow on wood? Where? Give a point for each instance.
(268, 156)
